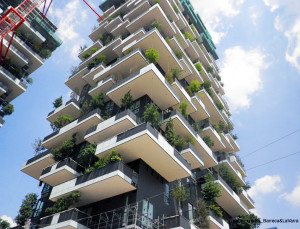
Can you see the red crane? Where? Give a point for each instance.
(15, 17)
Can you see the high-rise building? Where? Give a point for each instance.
(147, 140)
(32, 44)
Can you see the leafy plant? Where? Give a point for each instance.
(220, 106)
(45, 53)
(176, 9)
(4, 224)
(234, 136)
(180, 143)
(199, 67)
(157, 25)
(170, 133)
(181, 194)
(210, 143)
(64, 203)
(211, 190)
(104, 161)
(87, 155)
(193, 28)
(216, 209)
(156, 2)
(207, 87)
(194, 86)
(250, 221)
(182, 108)
(98, 60)
(128, 51)
(38, 147)
(197, 127)
(126, 100)
(189, 36)
(230, 178)
(26, 209)
(97, 101)
(201, 214)
(152, 115)
(169, 77)
(65, 149)
(8, 109)
(176, 72)
(152, 56)
(61, 121)
(191, 140)
(167, 39)
(209, 69)
(178, 54)
(110, 19)
(58, 102)
(86, 55)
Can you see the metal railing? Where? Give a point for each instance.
(68, 162)
(39, 156)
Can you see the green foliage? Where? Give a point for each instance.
(87, 155)
(167, 39)
(189, 36)
(191, 140)
(104, 161)
(250, 221)
(45, 53)
(107, 41)
(65, 149)
(216, 209)
(220, 106)
(8, 109)
(101, 37)
(64, 203)
(58, 102)
(128, 51)
(26, 209)
(156, 2)
(189, 90)
(247, 186)
(170, 133)
(176, 72)
(37, 146)
(61, 121)
(4, 224)
(211, 190)
(169, 77)
(209, 69)
(176, 9)
(207, 87)
(180, 192)
(193, 28)
(197, 127)
(110, 19)
(182, 108)
(178, 54)
(113, 157)
(152, 56)
(199, 67)
(230, 178)
(180, 143)
(210, 143)
(201, 214)
(85, 108)
(157, 25)
(222, 126)
(152, 115)
(234, 136)
(86, 55)
(126, 101)
(193, 87)
(97, 101)
(217, 128)
(99, 59)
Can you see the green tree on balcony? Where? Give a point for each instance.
(230, 178)
(65, 150)
(126, 101)
(199, 67)
(210, 143)
(201, 214)
(97, 101)
(250, 221)
(61, 121)
(152, 56)
(64, 203)
(58, 102)
(26, 209)
(170, 133)
(152, 115)
(157, 25)
(8, 110)
(181, 194)
(87, 155)
(207, 87)
(183, 109)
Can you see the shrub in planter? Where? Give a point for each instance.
(211, 190)
(178, 54)
(97, 101)
(180, 143)
(182, 108)
(58, 102)
(61, 121)
(152, 56)
(152, 115)
(210, 143)
(220, 106)
(199, 67)
(64, 203)
(126, 101)
(189, 36)
(65, 149)
(8, 109)
(201, 214)
(45, 53)
(157, 25)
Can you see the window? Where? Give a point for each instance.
(109, 108)
(135, 107)
(191, 211)
(46, 188)
(39, 208)
(167, 194)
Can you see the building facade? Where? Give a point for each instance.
(32, 44)
(148, 132)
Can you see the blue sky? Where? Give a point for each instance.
(258, 43)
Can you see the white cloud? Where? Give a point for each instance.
(214, 12)
(241, 73)
(287, 21)
(255, 212)
(265, 185)
(9, 219)
(294, 197)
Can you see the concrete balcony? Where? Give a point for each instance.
(120, 29)
(158, 153)
(184, 97)
(113, 24)
(3, 89)
(137, 11)
(103, 86)
(78, 127)
(216, 222)
(34, 166)
(94, 36)
(15, 87)
(236, 147)
(192, 156)
(89, 76)
(153, 39)
(229, 200)
(71, 108)
(142, 83)
(201, 113)
(66, 220)
(61, 172)
(225, 140)
(191, 51)
(75, 81)
(179, 36)
(237, 164)
(178, 222)
(18, 58)
(112, 126)
(36, 36)
(169, 10)
(114, 179)
(209, 130)
(155, 13)
(215, 114)
(96, 44)
(226, 117)
(247, 199)
(124, 67)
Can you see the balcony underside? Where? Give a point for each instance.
(192, 157)
(214, 136)
(71, 109)
(201, 113)
(225, 140)
(59, 176)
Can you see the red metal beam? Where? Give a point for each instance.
(93, 10)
